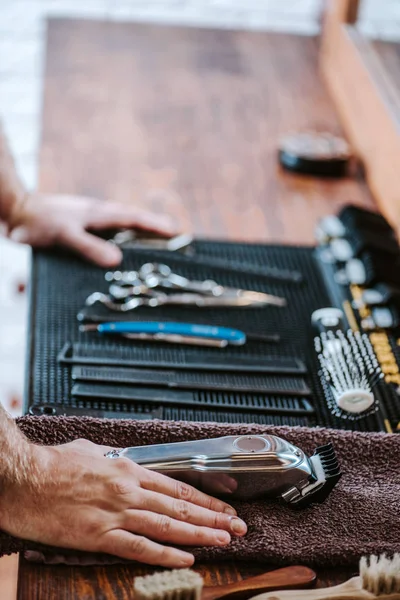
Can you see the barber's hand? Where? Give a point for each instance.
(74, 497)
(45, 220)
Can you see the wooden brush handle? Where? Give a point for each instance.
(287, 578)
(350, 590)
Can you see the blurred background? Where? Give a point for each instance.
(22, 49)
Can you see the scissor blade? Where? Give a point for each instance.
(177, 339)
(227, 300)
(249, 297)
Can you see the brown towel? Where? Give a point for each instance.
(361, 516)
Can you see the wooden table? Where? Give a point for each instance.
(389, 54)
(182, 121)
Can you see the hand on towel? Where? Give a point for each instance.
(45, 220)
(74, 497)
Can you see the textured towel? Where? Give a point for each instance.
(361, 515)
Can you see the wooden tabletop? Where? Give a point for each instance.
(183, 121)
(389, 54)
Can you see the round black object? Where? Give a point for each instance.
(321, 154)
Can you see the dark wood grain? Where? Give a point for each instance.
(187, 122)
(38, 582)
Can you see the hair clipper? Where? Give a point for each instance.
(246, 467)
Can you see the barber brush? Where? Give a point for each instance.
(379, 578)
(349, 372)
(185, 584)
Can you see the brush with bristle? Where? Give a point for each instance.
(185, 584)
(349, 373)
(379, 578)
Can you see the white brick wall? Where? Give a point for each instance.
(291, 15)
(380, 19)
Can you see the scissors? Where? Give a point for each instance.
(154, 275)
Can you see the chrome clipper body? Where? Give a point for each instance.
(245, 467)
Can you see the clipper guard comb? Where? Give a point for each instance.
(330, 465)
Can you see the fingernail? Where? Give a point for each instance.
(223, 537)
(187, 560)
(229, 510)
(112, 254)
(238, 526)
(19, 235)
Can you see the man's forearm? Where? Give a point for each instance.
(14, 452)
(12, 190)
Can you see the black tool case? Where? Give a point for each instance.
(71, 372)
